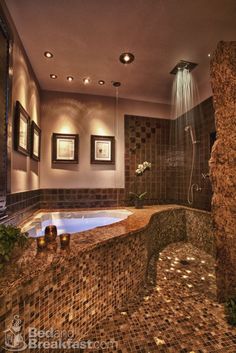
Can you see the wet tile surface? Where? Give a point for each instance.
(176, 313)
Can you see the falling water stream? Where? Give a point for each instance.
(184, 94)
(184, 98)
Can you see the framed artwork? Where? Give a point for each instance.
(102, 149)
(22, 130)
(65, 148)
(35, 141)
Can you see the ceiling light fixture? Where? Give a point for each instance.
(126, 58)
(70, 78)
(86, 80)
(53, 76)
(209, 55)
(101, 82)
(116, 83)
(48, 54)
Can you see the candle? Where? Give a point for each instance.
(41, 243)
(50, 233)
(65, 240)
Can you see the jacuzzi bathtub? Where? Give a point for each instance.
(73, 222)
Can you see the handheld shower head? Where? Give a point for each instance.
(192, 134)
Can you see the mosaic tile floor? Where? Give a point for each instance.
(176, 314)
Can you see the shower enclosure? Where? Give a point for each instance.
(184, 98)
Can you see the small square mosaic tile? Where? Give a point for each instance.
(176, 313)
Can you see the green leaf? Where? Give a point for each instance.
(142, 195)
(134, 194)
(10, 236)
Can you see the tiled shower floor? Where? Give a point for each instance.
(178, 314)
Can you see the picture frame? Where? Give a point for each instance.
(22, 130)
(35, 145)
(102, 149)
(65, 148)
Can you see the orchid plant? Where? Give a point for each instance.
(142, 168)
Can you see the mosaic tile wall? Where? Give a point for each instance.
(82, 292)
(165, 144)
(200, 231)
(84, 289)
(146, 139)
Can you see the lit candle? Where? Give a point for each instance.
(50, 233)
(65, 240)
(41, 243)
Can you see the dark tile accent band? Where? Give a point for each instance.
(23, 204)
(81, 198)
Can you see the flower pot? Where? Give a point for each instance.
(138, 203)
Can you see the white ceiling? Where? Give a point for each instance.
(87, 37)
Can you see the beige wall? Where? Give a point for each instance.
(23, 172)
(87, 115)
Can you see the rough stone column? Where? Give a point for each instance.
(223, 167)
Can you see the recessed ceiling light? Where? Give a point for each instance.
(209, 55)
(116, 83)
(48, 54)
(53, 76)
(126, 58)
(70, 78)
(86, 80)
(101, 82)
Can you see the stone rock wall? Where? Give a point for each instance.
(223, 167)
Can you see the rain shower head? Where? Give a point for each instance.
(183, 64)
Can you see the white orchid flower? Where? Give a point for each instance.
(142, 167)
